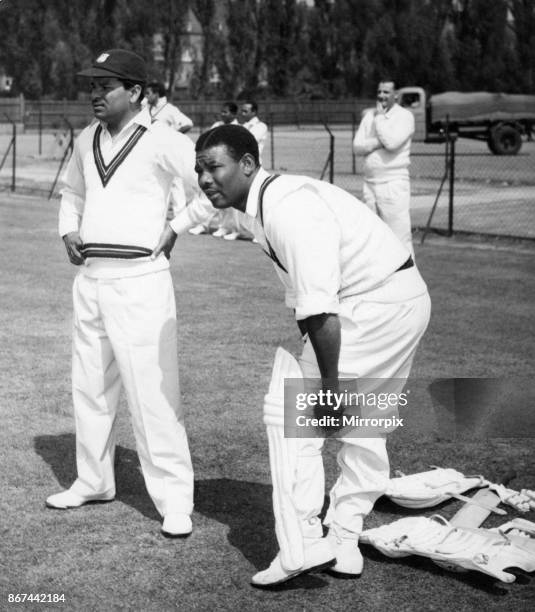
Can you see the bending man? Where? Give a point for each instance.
(361, 304)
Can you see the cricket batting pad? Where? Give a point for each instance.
(283, 456)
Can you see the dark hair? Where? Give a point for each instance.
(232, 107)
(127, 84)
(237, 139)
(158, 87)
(254, 105)
(387, 79)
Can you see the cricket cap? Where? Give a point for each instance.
(118, 63)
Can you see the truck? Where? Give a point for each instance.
(499, 119)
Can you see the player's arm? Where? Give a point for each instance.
(183, 122)
(394, 131)
(306, 237)
(324, 333)
(260, 131)
(364, 142)
(178, 158)
(72, 206)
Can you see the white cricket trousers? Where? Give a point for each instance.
(124, 333)
(380, 333)
(391, 201)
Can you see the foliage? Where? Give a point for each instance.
(278, 48)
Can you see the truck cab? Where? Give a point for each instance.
(415, 100)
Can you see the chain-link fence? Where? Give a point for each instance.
(470, 190)
(458, 186)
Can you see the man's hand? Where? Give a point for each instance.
(380, 109)
(73, 242)
(165, 244)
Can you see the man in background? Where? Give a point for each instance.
(162, 110)
(228, 114)
(384, 139)
(249, 119)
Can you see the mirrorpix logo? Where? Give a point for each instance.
(314, 410)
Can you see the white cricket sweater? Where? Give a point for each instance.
(116, 193)
(393, 130)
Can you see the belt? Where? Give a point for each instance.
(408, 264)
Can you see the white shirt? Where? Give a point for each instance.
(219, 123)
(331, 244)
(393, 130)
(259, 130)
(168, 113)
(127, 207)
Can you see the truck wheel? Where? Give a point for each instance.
(505, 140)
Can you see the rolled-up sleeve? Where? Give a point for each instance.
(305, 236)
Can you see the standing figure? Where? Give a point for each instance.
(162, 110)
(112, 215)
(384, 138)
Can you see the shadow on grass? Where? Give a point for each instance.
(472, 579)
(246, 508)
(60, 453)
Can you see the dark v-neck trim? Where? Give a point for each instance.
(107, 171)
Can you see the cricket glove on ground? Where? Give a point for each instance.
(523, 500)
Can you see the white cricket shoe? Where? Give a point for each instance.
(220, 232)
(232, 236)
(318, 555)
(197, 230)
(345, 545)
(177, 525)
(68, 499)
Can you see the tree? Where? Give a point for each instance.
(285, 49)
(244, 52)
(482, 54)
(522, 25)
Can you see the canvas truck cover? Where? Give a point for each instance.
(481, 106)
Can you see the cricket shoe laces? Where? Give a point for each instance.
(345, 545)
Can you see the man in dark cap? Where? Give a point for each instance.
(112, 215)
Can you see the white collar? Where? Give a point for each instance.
(161, 102)
(142, 118)
(391, 109)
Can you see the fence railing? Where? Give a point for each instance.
(48, 114)
(460, 187)
(456, 186)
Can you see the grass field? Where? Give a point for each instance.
(231, 319)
